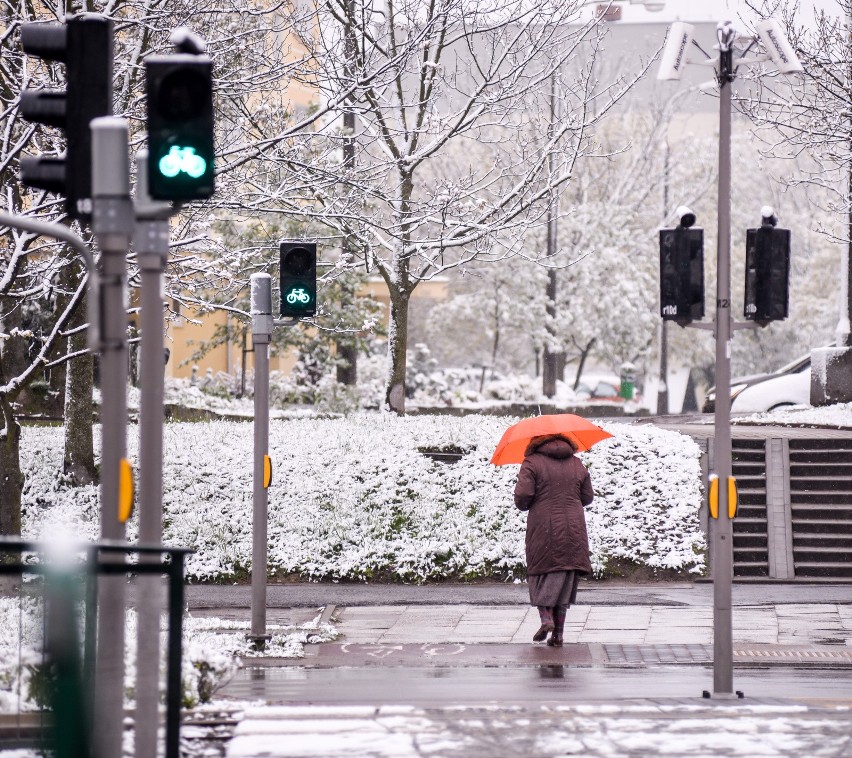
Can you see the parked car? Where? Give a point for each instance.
(789, 385)
(599, 388)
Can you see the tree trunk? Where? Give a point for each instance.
(397, 347)
(11, 477)
(347, 362)
(79, 462)
(584, 354)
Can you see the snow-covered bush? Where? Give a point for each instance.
(355, 498)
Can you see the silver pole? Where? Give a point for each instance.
(721, 534)
(261, 332)
(113, 227)
(152, 247)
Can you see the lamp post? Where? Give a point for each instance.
(723, 488)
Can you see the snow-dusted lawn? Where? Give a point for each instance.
(212, 650)
(354, 498)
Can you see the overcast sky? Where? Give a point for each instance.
(712, 10)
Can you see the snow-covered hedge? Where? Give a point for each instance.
(355, 498)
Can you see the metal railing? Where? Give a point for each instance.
(101, 559)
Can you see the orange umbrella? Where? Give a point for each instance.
(515, 439)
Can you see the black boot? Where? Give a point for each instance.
(547, 624)
(559, 614)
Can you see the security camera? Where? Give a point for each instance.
(673, 60)
(780, 50)
(687, 217)
(767, 216)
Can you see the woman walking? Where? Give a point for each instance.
(554, 486)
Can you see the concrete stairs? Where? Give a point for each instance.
(794, 520)
(821, 504)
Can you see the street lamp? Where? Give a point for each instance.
(672, 62)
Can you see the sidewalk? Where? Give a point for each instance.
(791, 624)
(644, 624)
(449, 679)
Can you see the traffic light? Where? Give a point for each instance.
(682, 271)
(767, 274)
(84, 43)
(298, 279)
(180, 126)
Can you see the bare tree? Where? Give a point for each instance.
(808, 122)
(42, 286)
(454, 153)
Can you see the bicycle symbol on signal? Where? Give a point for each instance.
(298, 295)
(182, 159)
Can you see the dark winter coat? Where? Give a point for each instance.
(554, 486)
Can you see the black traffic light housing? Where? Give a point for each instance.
(84, 43)
(682, 272)
(298, 275)
(767, 272)
(180, 126)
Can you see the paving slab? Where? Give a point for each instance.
(635, 624)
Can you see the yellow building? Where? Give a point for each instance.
(186, 332)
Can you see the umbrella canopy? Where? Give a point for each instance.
(515, 439)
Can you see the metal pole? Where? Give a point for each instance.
(113, 227)
(152, 246)
(261, 333)
(552, 358)
(175, 656)
(663, 390)
(721, 533)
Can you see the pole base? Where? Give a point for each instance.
(738, 695)
(259, 641)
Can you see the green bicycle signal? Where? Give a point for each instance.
(182, 159)
(298, 297)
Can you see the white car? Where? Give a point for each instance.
(781, 391)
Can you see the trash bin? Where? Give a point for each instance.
(628, 381)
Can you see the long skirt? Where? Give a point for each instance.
(554, 588)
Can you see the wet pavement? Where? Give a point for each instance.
(545, 683)
(410, 677)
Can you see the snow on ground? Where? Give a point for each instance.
(595, 731)
(212, 650)
(839, 416)
(355, 498)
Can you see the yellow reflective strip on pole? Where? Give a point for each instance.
(732, 497)
(267, 472)
(125, 490)
(713, 496)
